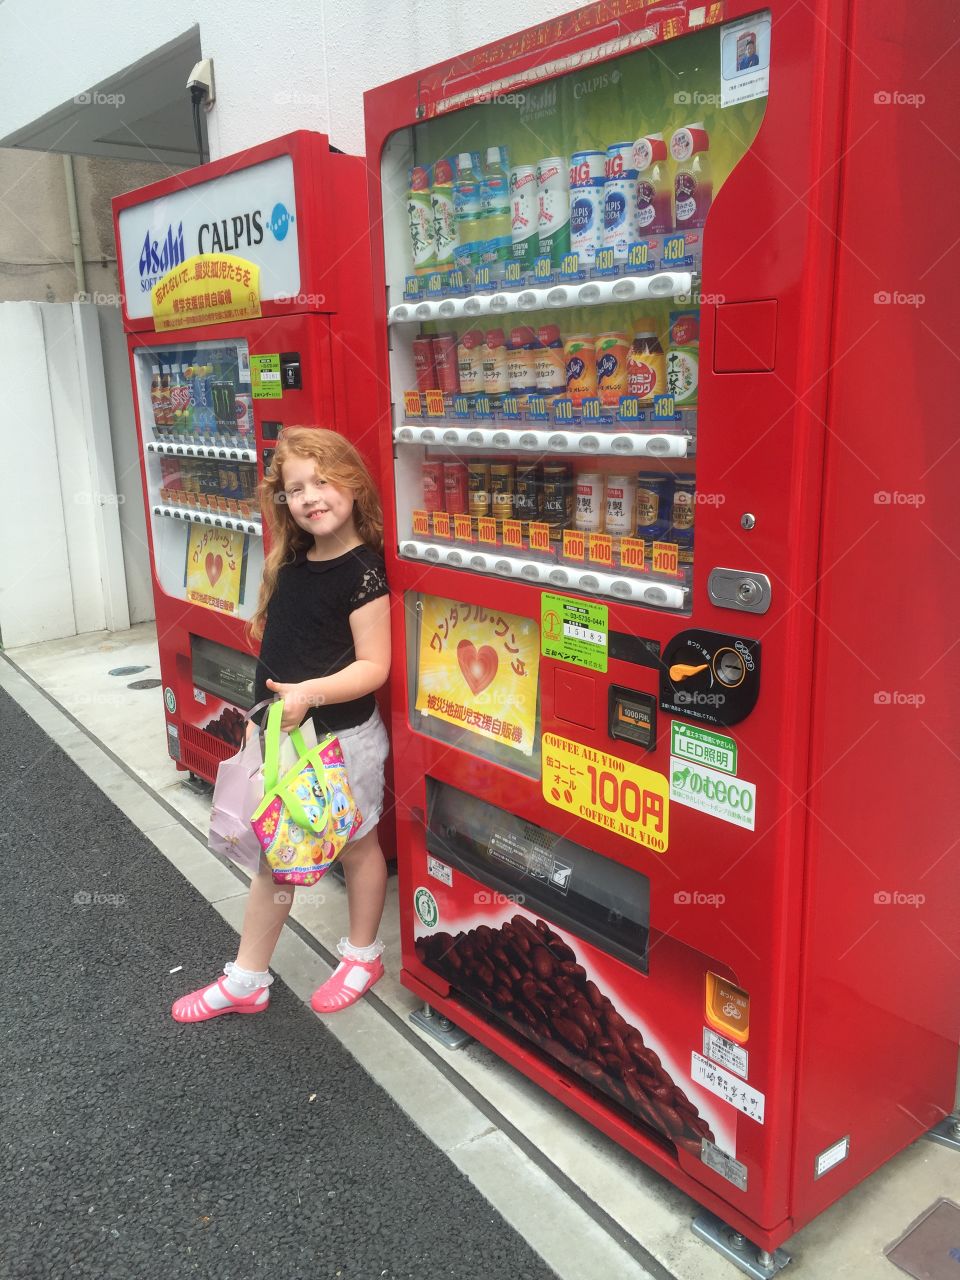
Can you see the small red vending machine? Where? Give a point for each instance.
(246, 288)
(673, 478)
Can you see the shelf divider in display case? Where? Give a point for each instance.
(218, 521)
(633, 444)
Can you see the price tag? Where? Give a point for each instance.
(601, 549)
(435, 283)
(481, 278)
(539, 536)
(570, 266)
(481, 406)
(435, 407)
(537, 408)
(563, 409)
(487, 529)
(629, 409)
(590, 409)
(463, 528)
(412, 404)
(632, 551)
(461, 406)
(610, 791)
(411, 287)
(441, 525)
(605, 263)
(666, 558)
(513, 534)
(638, 255)
(457, 282)
(674, 248)
(664, 409)
(542, 269)
(421, 524)
(510, 407)
(574, 544)
(513, 272)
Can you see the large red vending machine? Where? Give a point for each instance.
(246, 289)
(674, 722)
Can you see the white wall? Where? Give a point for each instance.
(279, 67)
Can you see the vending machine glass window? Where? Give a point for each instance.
(545, 312)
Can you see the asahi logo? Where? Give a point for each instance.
(539, 103)
(157, 257)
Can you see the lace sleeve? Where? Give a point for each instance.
(372, 585)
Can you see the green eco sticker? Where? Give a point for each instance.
(574, 631)
(265, 377)
(426, 907)
(713, 749)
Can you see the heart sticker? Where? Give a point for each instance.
(479, 666)
(214, 567)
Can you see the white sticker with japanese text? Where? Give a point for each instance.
(725, 1052)
(727, 1087)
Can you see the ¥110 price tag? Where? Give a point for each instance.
(537, 409)
(510, 408)
(590, 409)
(461, 407)
(481, 406)
(563, 409)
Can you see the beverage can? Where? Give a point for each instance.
(456, 493)
(681, 512)
(230, 480)
(501, 490)
(553, 208)
(423, 240)
(495, 380)
(612, 349)
(243, 409)
(621, 505)
(654, 492)
(580, 367)
(527, 492)
(549, 368)
(470, 361)
(525, 238)
(224, 408)
(248, 480)
(619, 200)
(478, 488)
(424, 365)
(433, 495)
(588, 511)
(445, 362)
(521, 367)
(646, 364)
(557, 495)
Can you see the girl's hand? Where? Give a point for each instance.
(296, 703)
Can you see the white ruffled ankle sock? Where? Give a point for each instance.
(238, 983)
(366, 955)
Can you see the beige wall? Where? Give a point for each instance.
(36, 256)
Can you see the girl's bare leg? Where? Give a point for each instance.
(365, 870)
(267, 909)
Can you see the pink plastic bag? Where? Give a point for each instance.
(237, 792)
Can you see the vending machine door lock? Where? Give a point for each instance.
(290, 376)
(739, 589)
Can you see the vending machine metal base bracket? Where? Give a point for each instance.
(947, 1132)
(736, 1248)
(440, 1028)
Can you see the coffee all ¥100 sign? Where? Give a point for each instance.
(248, 215)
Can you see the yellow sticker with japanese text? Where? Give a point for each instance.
(615, 794)
(210, 288)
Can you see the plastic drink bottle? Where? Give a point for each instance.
(444, 215)
(156, 398)
(692, 179)
(553, 207)
(179, 402)
(165, 410)
(420, 218)
(495, 210)
(586, 204)
(523, 215)
(654, 212)
(466, 203)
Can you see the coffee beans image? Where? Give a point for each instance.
(526, 974)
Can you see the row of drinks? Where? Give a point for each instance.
(466, 215)
(199, 399)
(542, 360)
(206, 484)
(649, 505)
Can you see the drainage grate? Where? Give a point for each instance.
(125, 671)
(144, 684)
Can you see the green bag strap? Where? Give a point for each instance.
(271, 745)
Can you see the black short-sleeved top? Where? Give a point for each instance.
(307, 634)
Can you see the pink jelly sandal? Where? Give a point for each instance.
(350, 980)
(193, 1008)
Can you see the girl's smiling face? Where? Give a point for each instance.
(317, 505)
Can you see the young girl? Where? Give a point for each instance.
(324, 621)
